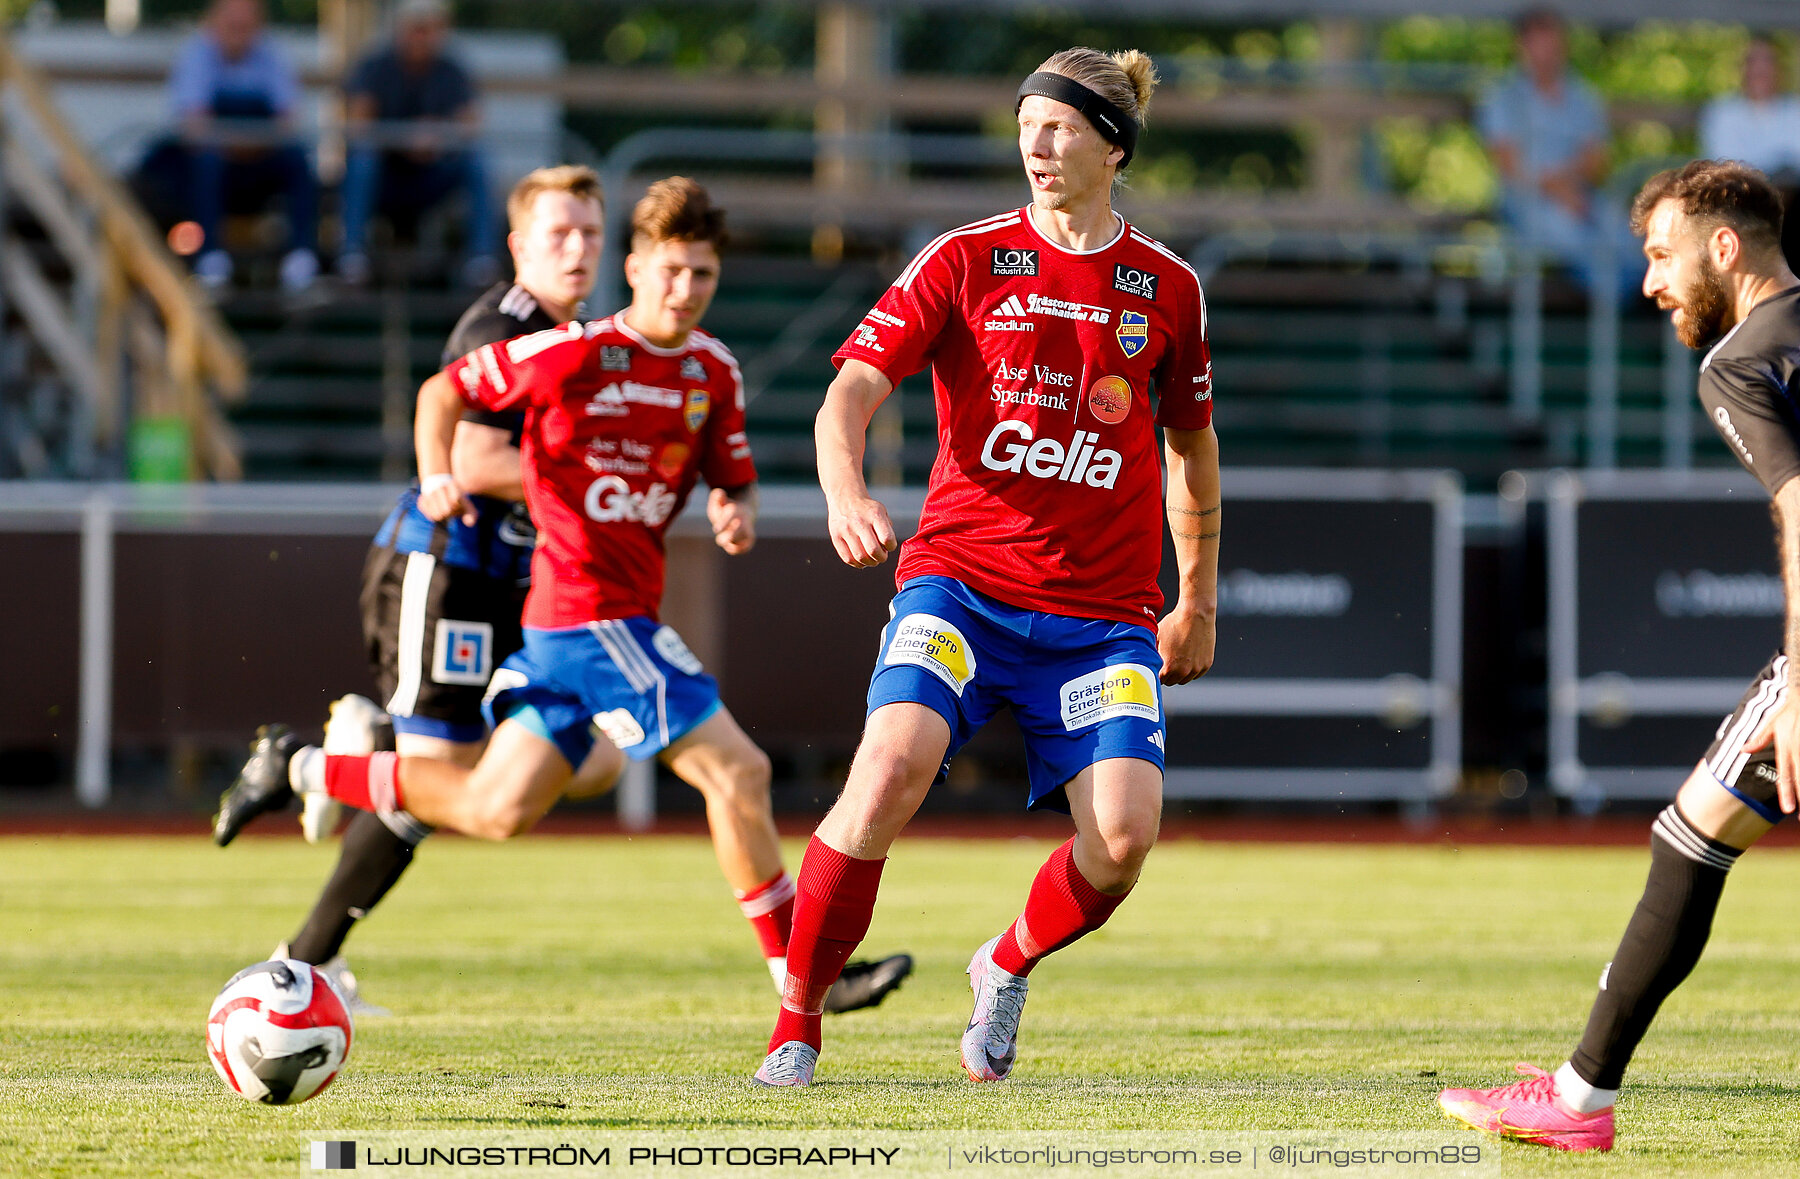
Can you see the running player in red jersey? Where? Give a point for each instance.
(622, 417)
(1031, 582)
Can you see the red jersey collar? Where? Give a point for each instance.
(1098, 250)
(624, 329)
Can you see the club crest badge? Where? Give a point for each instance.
(694, 411)
(1133, 332)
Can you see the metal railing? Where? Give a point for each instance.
(134, 336)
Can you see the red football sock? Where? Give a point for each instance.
(836, 899)
(368, 782)
(1061, 907)
(769, 907)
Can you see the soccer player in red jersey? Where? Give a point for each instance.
(622, 417)
(1031, 582)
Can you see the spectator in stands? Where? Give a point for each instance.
(1546, 131)
(1761, 127)
(235, 98)
(412, 120)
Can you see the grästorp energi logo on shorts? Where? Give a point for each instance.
(927, 641)
(1133, 332)
(1122, 689)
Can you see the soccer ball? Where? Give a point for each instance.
(278, 1033)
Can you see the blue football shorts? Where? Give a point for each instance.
(1082, 690)
(632, 679)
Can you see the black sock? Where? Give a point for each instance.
(371, 862)
(1661, 945)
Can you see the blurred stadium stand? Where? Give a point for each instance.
(1351, 327)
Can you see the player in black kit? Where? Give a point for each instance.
(441, 601)
(441, 605)
(1712, 234)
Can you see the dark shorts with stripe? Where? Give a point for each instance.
(1751, 776)
(434, 634)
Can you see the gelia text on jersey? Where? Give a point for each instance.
(610, 500)
(1014, 446)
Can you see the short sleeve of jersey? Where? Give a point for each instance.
(726, 460)
(1184, 393)
(1767, 436)
(897, 335)
(491, 327)
(522, 371)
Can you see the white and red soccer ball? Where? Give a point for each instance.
(278, 1033)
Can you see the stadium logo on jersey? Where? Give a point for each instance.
(1133, 333)
(1012, 446)
(610, 500)
(927, 641)
(620, 727)
(1110, 399)
(1012, 263)
(692, 369)
(1122, 689)
(1133, 281)
(615, 358)
(1015, 314)
(463, 653)
(672, 458)
(694, 411)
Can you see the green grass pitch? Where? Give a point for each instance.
(575, 986)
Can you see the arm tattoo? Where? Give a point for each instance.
(1212, 511)
(1213, 535)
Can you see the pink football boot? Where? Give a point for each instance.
(1527, 1111)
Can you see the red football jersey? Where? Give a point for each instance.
(1047, 489)
(616, 432)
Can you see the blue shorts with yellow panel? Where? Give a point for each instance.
(1082, 690)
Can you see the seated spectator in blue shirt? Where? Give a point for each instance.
(1546, 131)
(412, 121)
(235, 99)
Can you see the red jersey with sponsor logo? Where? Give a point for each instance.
(616, 433)
(1047, 489)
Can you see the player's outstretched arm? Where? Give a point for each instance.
(1783, 727)
(434, 431)
(732, 514)
(1186, 635)
(859, 525)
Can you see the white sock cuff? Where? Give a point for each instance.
(1580, 1096)
(306, 770)
(778, 892)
